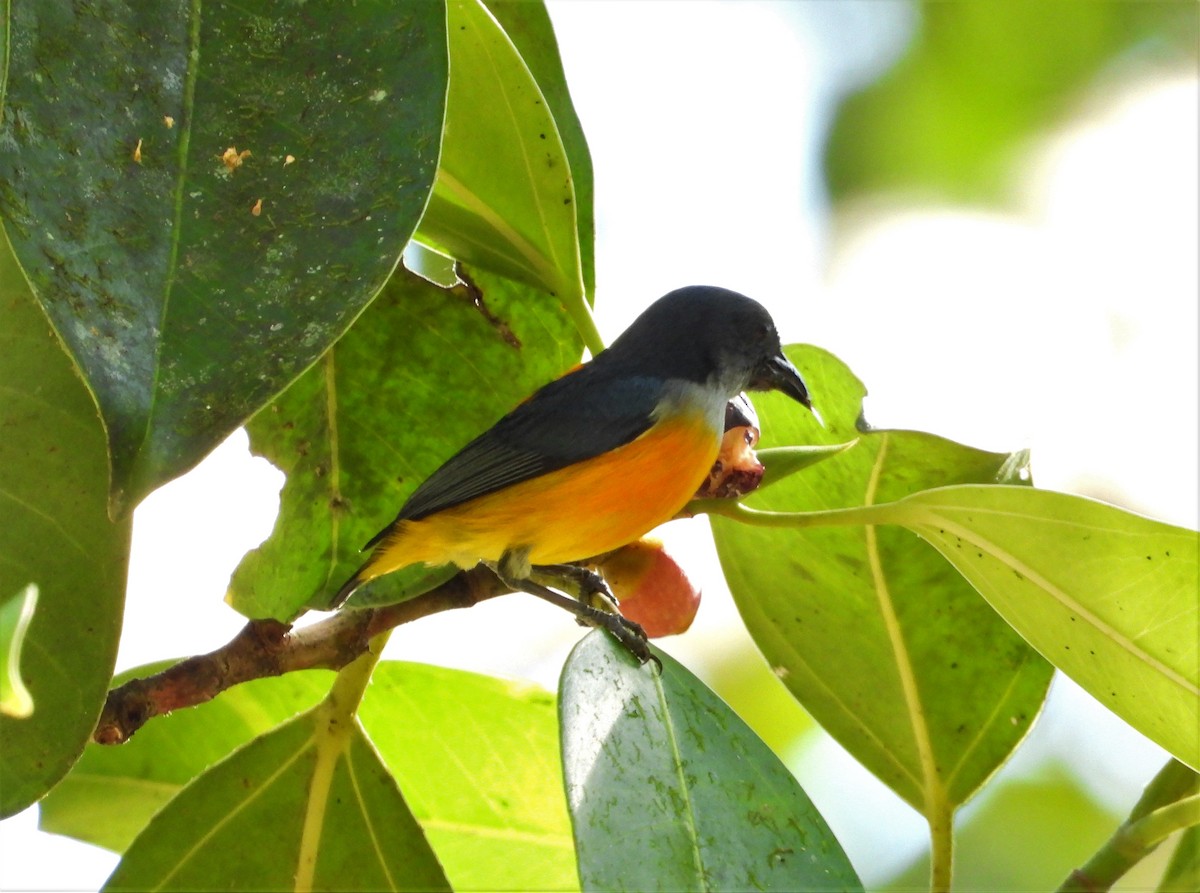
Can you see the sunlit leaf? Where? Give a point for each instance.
(1183, 871)
(423, 372)
(528, 26)
(881, 640)
(1108, 596)
(16, 613)
(477, 759)
(504, 197)
(205, 196)
(110, 795)
(696, 801)
(308, 805)
(54, 534)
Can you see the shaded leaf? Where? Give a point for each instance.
(423, 372)
(978, 81)
(308, 800)
(504, 198)
(696, 800)
(136, 146)
(1109, 597)
(881, 640)
(54, 534)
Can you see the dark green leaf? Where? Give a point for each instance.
(979, 80)
(422, 373)
(54, 534)
(186, 303)
(669, 790)
(875, 633)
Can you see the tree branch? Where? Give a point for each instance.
(269, 648)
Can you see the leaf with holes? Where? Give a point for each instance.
(888, 647)
(374, 417)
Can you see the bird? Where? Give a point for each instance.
(595, 459)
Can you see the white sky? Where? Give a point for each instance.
(1068, 324)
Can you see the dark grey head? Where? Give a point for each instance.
(711, 336)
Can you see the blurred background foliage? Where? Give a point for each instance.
(951, 122)
(978, 80)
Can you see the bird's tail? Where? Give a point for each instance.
(358, 578)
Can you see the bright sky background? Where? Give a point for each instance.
(1068, 325)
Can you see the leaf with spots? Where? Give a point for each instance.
(505, 197)
(205, 197)
(881, 640)
(1107, 596)
(697, 801)
(423, 372)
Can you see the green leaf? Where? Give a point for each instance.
(113, 791)
(981, 79)
(16, 613)
(186, 303)
(421, 374)
(1002, 845)
(1109, 597)
(504, 198)
(528, 26)
(1183, 871)
(476, 757)
(669, 790)
(478, 761)
(881, 640)
(782, 462)
(309, 801)
(55, 535)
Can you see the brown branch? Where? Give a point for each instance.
(265, 648)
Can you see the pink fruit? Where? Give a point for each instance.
(651, 587)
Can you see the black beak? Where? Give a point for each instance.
(778, 374)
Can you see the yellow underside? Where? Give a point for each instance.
(576, 512)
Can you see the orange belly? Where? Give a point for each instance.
(576, 512)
